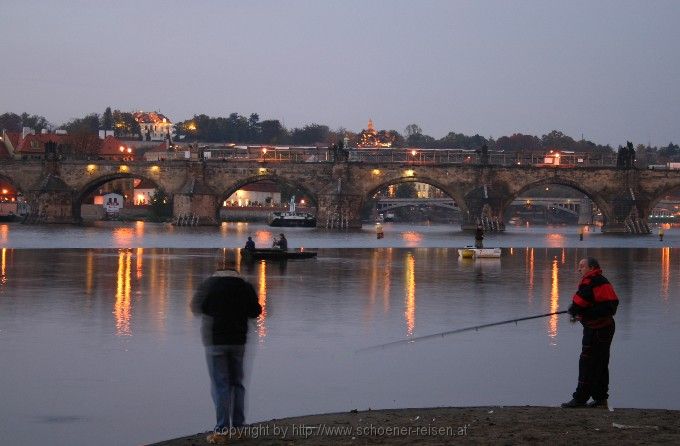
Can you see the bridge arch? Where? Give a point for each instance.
(95, 183)
(279, 180)
(452, 193)
(654, 200)
(598, 200)
(5, 180)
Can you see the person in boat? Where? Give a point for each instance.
(479, 237)
(281, 242)
(226, 302)
(250, 244)
(594, 305)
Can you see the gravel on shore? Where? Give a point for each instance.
(470, 425)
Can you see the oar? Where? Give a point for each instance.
(460, 330)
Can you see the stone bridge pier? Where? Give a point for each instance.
(339, 211)
(485, 206)
(196, 202)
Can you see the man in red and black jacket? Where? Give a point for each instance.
(594, 304)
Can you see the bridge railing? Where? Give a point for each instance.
(399, 156)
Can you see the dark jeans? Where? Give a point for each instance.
(593, 365)
(225, 366)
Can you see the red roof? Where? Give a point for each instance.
(14, 138)
(111, 146)
(36, 143)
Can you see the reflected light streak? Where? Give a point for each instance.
(139, 229)
(4, 233)
(139, 262)
(372, 286)
(89, 272)
(388, 279)
(530, 262)
(554, 300)
(410, 289)
(3, 272)
(665, 272)
(122, 308)
(262, 295)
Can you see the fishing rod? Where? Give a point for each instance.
(460, 330)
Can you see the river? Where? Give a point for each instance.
(98, 344)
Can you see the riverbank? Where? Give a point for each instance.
(470, 425)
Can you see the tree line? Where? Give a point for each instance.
(237, 128)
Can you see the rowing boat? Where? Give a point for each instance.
(470, 252)
(275, 254)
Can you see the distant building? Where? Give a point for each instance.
(262, 193)
(155, 126)
(143, 192)
(370, 137)
(114, 149)
(32, 146)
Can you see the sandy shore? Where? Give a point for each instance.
(471, 425)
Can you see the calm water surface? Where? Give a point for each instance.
(98, 345)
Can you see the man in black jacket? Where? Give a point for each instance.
(226, 302)
(594, 305)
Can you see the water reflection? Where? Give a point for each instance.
(530, 272)
(140, 263)
(4, 233)
(410, 290)
(388, 279)
(665, 272)
(262, 294)
(3, 274)
(89, 272)
(123, 306)
(554, 300)
(345, 288)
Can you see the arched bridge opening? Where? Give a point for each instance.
(411, 199)
(553, 201)
(120, 195)
(254, 198)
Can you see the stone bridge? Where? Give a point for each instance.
(338, 190)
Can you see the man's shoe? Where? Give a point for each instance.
(573, 404)
(598, 404)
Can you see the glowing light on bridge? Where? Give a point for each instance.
(155, 169)
(375, 171)
(409, 173)
(124, 168)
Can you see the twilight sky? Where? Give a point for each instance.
(607, 69)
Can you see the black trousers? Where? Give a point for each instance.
(593, 364)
